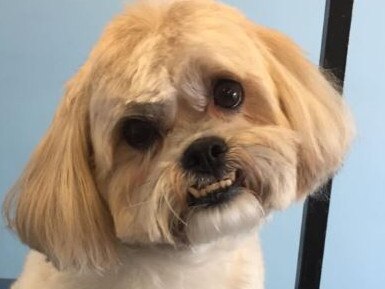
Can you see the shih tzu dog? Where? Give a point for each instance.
(187, 125)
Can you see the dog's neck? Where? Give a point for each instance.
(230, 263)
(199, 253)
(235, 259)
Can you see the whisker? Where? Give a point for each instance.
(139, 204)
(261, 208)
(173, 212)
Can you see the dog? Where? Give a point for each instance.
(187, 125)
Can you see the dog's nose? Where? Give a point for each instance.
(205, 156)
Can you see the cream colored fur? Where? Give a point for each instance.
(104, 215)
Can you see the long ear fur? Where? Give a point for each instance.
(55, 207)
(312, 106)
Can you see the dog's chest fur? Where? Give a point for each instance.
(219, 267)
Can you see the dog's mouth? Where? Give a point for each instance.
(216, 192)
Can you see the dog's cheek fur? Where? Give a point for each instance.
(147, 210)
(267, 155)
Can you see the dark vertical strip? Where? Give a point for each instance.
(335, 41)
(5, 283)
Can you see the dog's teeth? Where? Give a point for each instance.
(224, 183)
(194, 192)
(203, 192)
(213, 187)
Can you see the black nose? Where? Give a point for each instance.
(205, 156)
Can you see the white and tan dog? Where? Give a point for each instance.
(185, 127)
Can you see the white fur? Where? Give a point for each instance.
(231, 263)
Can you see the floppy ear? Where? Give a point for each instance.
(55, 207)
(312, 106)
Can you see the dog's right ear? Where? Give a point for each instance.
(55, 206)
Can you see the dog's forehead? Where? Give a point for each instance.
(147, 57)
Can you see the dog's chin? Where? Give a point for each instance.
(236, 216)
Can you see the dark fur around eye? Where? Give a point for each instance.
(228, 93)
(140, 134)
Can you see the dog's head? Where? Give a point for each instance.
(186, 124)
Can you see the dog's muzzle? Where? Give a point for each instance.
(206, 159)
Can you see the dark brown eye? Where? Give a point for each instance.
(141, 134)
(228, 93)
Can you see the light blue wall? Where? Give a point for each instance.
(43, 42)
(355, 248)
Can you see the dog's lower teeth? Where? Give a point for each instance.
(194, 192)
(213, 187)
(227, 182)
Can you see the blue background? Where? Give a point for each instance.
(43, 42)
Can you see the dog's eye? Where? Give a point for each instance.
(228, 93)
(139, 133)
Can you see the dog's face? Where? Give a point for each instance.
(186, 124)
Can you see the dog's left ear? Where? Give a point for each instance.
(312, 106)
